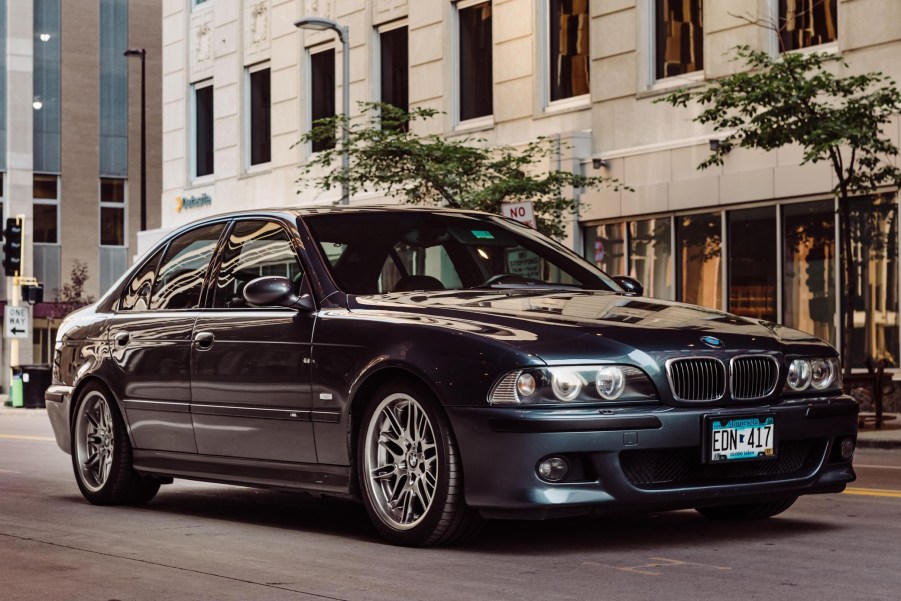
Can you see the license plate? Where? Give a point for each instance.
(741, 438)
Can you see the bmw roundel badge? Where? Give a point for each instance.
(712, 342)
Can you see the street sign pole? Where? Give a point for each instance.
(14, 343)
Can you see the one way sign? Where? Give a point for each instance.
(17, 322)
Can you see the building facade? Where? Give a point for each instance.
(757, 236)
(70, 156)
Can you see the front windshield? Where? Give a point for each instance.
(374, 252)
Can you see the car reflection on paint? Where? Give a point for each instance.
(443, 367)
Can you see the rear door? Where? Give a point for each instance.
(251, 365)
(150, 338)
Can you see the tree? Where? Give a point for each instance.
(387, 155)
(71, 296)
(795, 98)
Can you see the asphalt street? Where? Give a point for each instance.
(203, 541)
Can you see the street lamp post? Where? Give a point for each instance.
(142, 53)
(321, 24)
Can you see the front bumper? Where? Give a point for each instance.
(58, 399)
(643, 458)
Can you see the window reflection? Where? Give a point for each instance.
(752, 263)
(808, 271)
(254, 249)
(680, 37)
(569, 46)
(650, 256)
(806, 23)
(180, 276)
(699, 239)
(874, 236)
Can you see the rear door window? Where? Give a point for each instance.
(179, 280)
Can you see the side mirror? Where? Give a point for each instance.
(630, 285)
(275, 291)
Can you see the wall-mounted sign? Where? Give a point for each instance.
(192, 202)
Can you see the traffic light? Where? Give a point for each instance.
(12, 247)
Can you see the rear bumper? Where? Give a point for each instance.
(58, 399)
(643, 458)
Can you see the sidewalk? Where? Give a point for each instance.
(889, 437)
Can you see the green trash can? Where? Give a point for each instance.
(16, 391)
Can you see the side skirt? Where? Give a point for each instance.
(333, 480)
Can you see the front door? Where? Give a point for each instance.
(250, 387)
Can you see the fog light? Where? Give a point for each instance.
(846, 448)
(553, 469)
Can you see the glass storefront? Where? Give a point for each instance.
(700, 274)
(605, 247)
(874, 245)
(808, 268)
(781, 265)
(752, 262)
(650, 256)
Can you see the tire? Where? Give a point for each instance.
(749, 511)
(409, 470)
(101, 453)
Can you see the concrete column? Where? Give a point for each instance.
(20, 144)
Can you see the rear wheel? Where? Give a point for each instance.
(409, 469)
(747, 511)
(101, 453)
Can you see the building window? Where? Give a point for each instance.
(46, 86)
(806, 23)
(475, 80)
(196, 3)
(809, 267)
(605, 246)
(650, 256)
(3, 71)
(203, 129)
(394, 68)
(112, 212)
(259, 118)
(698, 264)
(113, 88)
(568, 45)
(322, 93)
(679, 46)
(874, 246)
(752, 262)
(45, 192)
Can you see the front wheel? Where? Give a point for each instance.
(747, 511)
(101, 453)
(409, 469)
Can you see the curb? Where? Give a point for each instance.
(878, 444)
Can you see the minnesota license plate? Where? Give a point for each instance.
(741, 438)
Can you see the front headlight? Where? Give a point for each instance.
(573, 385)
(817, 373)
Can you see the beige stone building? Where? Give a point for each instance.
(70, 157)
(756, 236)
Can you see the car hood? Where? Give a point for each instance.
(561, 325)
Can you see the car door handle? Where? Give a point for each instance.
(204, 340)
(122, 338)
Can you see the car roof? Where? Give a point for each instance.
(338, 209)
